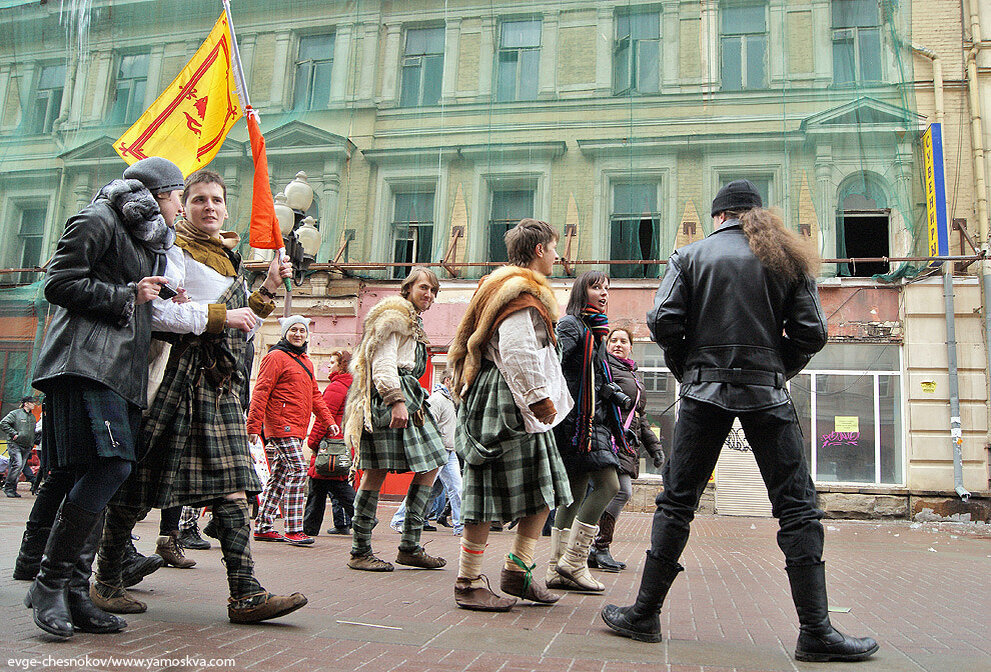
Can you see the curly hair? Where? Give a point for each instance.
(781, 250)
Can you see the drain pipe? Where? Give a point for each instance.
(956, 431)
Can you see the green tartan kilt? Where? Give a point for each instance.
(526, 477)
(195, 440)
(409, 449)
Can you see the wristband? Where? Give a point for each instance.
(267, 293)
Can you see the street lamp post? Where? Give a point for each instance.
(299, 231)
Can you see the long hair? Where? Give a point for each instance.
(782, 251)
(579, 291)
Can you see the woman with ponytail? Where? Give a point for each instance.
(589, 437)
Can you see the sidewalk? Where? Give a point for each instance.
(924, 591)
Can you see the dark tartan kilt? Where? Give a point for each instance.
(196, 442)
(525, 478)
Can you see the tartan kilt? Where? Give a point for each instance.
(526, 477)
(408, 449)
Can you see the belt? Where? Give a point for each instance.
(735, 377)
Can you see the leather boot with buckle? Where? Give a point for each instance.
(641, 621)
(470, 594)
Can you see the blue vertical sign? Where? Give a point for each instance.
(935, 181)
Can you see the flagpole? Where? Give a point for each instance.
(242, 93)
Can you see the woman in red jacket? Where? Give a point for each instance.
(285, 395)
(337, 487)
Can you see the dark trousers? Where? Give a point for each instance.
(342, 499)
(775, 438)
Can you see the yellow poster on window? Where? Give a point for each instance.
(847, 423)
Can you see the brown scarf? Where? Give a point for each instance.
(209, 250)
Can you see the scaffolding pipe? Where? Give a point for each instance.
(956, 433)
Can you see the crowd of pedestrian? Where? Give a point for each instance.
(539, 417)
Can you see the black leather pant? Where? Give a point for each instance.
(776, 439)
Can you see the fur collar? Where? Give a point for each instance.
(487, 309)
(139, 213)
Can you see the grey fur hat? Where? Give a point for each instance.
(157, 174)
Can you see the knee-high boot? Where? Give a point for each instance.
(818, 640)
(86, 616)
(48, 594)
(29, 557)
(641, 620)
(39, 523)
(573, 563)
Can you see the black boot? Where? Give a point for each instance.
(136, 567)
(641, 621)
(86, 617)
(599, 557)
(48, 595)
(29, 557)
(818, 640)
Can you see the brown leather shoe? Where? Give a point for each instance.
(480, 599)
(171, 551)
(263, 606)
(114, 599)
(419, 558)
(369, 563)
(516, 584)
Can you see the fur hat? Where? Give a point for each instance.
(157, 174)
(286, 322)
(737, 195)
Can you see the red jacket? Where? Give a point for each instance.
(285, 396)
(333, 395)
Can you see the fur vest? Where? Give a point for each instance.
(500, 294)
(390, 315)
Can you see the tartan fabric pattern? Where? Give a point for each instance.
(194, 434)
(417, 498)
(117, 527)
(411, 448)
(234, 530)
(285, 487)
(523, 472)
(187, 521)
(364, 521)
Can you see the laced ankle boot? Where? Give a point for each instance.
(818, 640)
(641, 620)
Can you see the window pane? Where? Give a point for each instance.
(316, 47)
(856, 357)
(321, 84)
(841, 401)
(433, 75)
(521, 34)
(621, 66)
(133, 66)
(434, 41)
(645, 26)
(741, 20)
(506, 77)
(622, 26)
(843, 61)
(529, 74)
(869, 42)
(660, 389)
(301, 96)
(52, 77)
(634, 198)
(32, 222)
(732, 78)
(508, 208)
(801, 396)
(889, 396)
(648, 71)
(416, 43)
(414, 207)
(31, 251)
(424, 244)
(755, 62)
(410, 89)
(853, 13)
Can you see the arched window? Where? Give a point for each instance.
(862, 216)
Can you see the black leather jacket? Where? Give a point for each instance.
(719, 308)
(96, 331)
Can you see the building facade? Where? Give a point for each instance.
(427, 128)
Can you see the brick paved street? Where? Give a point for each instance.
(923, 591)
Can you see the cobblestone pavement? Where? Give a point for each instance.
(922, 590)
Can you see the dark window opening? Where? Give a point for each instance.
(865, 235)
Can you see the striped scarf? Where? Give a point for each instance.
(598, 329)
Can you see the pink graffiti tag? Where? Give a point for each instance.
(840, 439)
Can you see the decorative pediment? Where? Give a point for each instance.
(862, 113)
(98, 150)
(300, 139)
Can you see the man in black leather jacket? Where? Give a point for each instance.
(737, 315)
(93, 368)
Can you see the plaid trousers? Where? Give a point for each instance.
(285, 487)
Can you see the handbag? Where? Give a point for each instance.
(333, 458)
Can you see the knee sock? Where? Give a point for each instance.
(470, 562)
(365, 504)
(117, 527)
(234, 530)
(417, 498)
(170, 520)
(523, 551)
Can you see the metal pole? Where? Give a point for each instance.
(956, 433)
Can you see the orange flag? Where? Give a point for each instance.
(264, 233)
(188, 122)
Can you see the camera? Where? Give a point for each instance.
(166, 292)
(612, 392)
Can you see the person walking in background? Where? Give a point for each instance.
(590, 437)
(639, 436)
(508, 377)
(387, 422)
(285, 396)
(338, 487)
(737, 315)
(18, 425)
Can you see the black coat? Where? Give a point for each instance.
(639, 436)
(96, 331)
(570, 334)
(719, 308)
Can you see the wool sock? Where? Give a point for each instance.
(364, 521)
(417, 498)
(234, 529)
(470, 562)
(523, 549)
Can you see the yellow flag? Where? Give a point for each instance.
(187, 124)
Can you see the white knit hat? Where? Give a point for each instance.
(286, 322)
